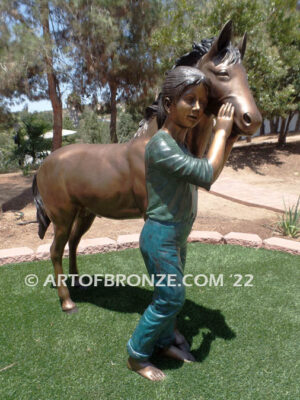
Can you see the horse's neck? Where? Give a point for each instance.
(147, 130)
(198, 138)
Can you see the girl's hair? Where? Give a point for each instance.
(177, 81)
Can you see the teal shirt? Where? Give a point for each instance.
(172, 178)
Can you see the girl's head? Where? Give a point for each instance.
(177, 82)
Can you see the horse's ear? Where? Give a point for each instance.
(242, 45)
(225, 35)
(223, 40)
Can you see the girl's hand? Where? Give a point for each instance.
(225, 119)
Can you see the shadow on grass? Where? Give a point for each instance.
(191, 320)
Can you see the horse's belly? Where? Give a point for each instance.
(105, 194)
(120, 206)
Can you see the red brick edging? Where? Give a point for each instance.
(104, 244)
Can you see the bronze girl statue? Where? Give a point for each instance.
(173, 176)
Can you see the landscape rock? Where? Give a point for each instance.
(206, 237)
(243, 239)
(16, 255)
(288, 246)
(128, 241)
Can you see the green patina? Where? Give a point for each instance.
(172, 177)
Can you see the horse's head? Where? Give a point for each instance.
(221, 62)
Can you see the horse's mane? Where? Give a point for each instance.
(229, 55)
(199, 50)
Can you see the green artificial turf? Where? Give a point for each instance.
(245, 338)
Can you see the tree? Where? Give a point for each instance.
(20, 66)
(283, 28)
(90, 129)
(32, 46)
(111, 52)
(75, 107)
(52, 75)
(126, 126)
(29, 140)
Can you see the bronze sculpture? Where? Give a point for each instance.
(172, 178)
(78, 182)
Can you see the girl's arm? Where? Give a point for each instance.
(222, 143)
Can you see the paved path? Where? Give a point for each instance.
(254, 195)
(258, 194)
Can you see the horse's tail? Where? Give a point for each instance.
(41, 215)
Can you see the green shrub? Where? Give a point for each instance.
(126, 127)
(93, 130)
(8, 162)
(68, 123)
(30, 144)
(289, 224)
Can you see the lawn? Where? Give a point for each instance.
(245, 338)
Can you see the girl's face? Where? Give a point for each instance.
(189, 108)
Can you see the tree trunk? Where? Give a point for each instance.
(297, 126)
(53, 84)
(277, 119)
(113, 115)
(282, 134)
(272, 125)
(33, 155)
(262, 128)
(57, 111)
(290, 117)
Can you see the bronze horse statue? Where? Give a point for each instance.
(81, 181)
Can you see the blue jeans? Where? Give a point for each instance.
(163, 246)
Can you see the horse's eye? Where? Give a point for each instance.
(223, 73)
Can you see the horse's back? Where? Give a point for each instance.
(76, 158)
(77, 151)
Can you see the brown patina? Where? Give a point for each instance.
(79, 182)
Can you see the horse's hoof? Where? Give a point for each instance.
(71, 311)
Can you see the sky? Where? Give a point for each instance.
(41, 105)
(45, 105)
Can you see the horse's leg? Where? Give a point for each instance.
(61, 235)
(81, 225)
